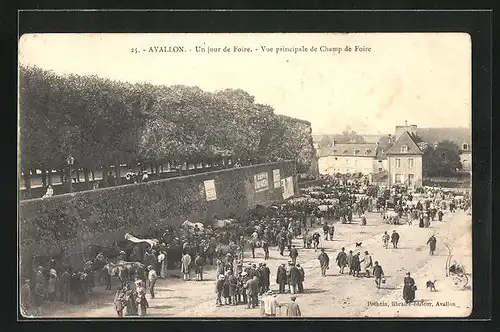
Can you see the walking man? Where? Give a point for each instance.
(294, 254)
(331, 231)
(281, 278)
(349, 262)
(368, 264)
(324, 262)
(378, 273)
(152, 277)
(185, 265)
(341, 260)
(395, 239)
(385, 239)
(432, 244)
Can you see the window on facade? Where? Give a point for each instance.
(380, 169)
(465, 146)
(465, 164)
(410, 162)
(336, 158)
(380, 161)
(411, 179)
(398, 163)
(397, 178)
(404, 148)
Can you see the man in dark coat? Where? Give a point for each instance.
(395, 239)
(266, 275)
(356, 265)
(300, 285)
(378, 273)
(325, 231)
(294, 254)
(252, 288)
(265, 246)
(281, 278)
(331, 231)
(294, 278)
(324, 262)
(349, 262)
(432, 244)
(342, 260)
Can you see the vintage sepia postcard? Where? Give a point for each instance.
(245, 175)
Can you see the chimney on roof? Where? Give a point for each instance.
(390, 140)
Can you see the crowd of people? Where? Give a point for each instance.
(222, 245)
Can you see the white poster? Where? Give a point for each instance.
(261, 182)
(210, 190)
(276, 178)
(288, 188)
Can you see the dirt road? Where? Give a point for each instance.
(334, 295)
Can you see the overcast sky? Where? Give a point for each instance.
(422, 78)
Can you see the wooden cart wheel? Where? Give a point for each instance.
(460, 281)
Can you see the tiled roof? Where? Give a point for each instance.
(406, 144)
(351, 150)
(457, 135)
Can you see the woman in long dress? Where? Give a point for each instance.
(409, 288)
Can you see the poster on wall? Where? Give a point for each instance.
(261, 181)
(276, 178)
(288, 188)
(210, 190)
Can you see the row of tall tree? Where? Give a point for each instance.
(102, 122)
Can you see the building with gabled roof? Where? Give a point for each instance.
(404, 159)
(351, 158)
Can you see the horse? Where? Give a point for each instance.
(391, 217)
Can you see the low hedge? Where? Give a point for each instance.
(64, 221)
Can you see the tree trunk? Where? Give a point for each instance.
(61, 175)
(27, 182)
(44, 177)
(152, 169)
(77, 174)
(105, 175)
(93, 173)
(86, 174)
(117, 173)
(49, 175)
(161, 168)
(157, 168)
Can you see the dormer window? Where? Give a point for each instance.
(356, 152)
(367, 152)
(404, 148)
(335, 151)
(345, 151)
(465, 146)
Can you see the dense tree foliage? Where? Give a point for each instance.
(101, 122)
(441, 160)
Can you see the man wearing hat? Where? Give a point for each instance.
(378, 273)
(356, 265)
(294, 254)
(26, 297)
(269, 304)
(324, 262)
(252, 287)
(368, 264)
(395, 239)
(152, 277)
(292, 309)
(281, 277)
(219, 287)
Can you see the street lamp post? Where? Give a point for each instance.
(70, 161)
